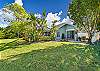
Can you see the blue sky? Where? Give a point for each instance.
(37, 6)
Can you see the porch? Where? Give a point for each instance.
(68, 35)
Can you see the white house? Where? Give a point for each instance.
(65, 31)
(68, 32)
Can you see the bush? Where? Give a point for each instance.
(44, 38)
(52, 36)
(1, 35)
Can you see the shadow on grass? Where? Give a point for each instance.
(14, 44)
(62, 58)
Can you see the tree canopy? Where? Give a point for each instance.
(86, 14)
(27, 25)
(18, 10)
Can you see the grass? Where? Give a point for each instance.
(18, 55)
(6, 40)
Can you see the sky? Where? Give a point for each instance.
(37, 6)
(55, 9)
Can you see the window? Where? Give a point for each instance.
(58, 34)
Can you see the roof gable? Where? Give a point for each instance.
(63, 24)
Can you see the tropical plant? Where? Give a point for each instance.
(21, 16)
(53, 30)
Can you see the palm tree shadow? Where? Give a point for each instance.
(64, 57)
(13, 44)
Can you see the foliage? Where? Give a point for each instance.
(38, 26)
(27, 26)
(8, 32)
(1, 34)
(85, 13)
(98, 26)
(21, 16)
(18, 10)
(44, 38)
(53, 30)
(18, 27)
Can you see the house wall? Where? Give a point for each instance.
(63, 30)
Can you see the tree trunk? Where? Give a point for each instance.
(18, 34)
(90, 38)
(29, 40)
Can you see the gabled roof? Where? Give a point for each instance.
(62, 24)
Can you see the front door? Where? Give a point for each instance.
(63, 36)
(72, 34)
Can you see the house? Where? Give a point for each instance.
(66, 31)
(70, 32)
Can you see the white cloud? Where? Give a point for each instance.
(6, 16)
(19, 2)
(52, 17)
(67, 20)
(0, 12)
(38, 15)
(57, 23)
(60, 13)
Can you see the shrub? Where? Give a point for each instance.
(1, 35)
(44, 38)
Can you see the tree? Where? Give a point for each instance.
(30, 28)
(53, 30)
(8, 33)
(35, 28)
(42, 24)
(18, 27)
(1, 33)
(98, 26)
(26, 25)
(39, 26)
(86, 15)
(18, 10)
(21, 16)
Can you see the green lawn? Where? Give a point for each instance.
(18, 55)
